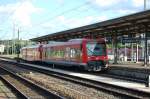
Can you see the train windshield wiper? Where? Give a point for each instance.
(90, 51)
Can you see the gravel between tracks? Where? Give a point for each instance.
(6, 92)
(24, 88)
(61, 87)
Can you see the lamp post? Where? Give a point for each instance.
(18, 46)
(144, 4)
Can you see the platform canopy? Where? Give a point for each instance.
(126, 25)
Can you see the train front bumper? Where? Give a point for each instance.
(97, 65)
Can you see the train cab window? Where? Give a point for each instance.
(95, 48)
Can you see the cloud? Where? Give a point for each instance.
(72, 22)
(24, 11)
(102, 18)
(138, 3)
(126, 11)
(7, 8)
(106, 3)
(61, 2)
(77, 22)
(20, 12)
(61, 18)
(48, 25)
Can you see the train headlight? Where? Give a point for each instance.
(106, 65)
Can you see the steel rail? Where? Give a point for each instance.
(116, 90)
(37, 87)
(14, 89)
(108, 75)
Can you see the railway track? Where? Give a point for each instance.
(25, 88)
(64, 88)
(103, 73)
(143, 81)
(113, 89)
(17, 92)
(109, 88)
(6, 92)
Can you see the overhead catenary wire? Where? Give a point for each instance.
(79, 13)
(67, 11)
(62, 13)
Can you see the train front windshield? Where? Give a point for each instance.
(96, 49)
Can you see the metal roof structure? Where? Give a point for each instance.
(126, 25)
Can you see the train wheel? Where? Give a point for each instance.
(89, 68)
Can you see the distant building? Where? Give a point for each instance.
(2, 47)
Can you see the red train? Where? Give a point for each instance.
(89, 54)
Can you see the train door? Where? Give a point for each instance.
(75, 53)
(44, 53)
(67, 53)
(72, 54)
(84, 52)
(40, 52)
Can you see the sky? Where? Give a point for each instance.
(34, 18)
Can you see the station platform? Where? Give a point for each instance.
(130, 69)
(139, 65)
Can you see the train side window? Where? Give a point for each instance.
(67, 52)
(52, 52)
(72, 53)
(62, 54)
(78, 53)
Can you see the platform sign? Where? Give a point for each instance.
(2, 48)
(132, 40)
(108, 39)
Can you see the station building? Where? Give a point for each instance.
(128, 37)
